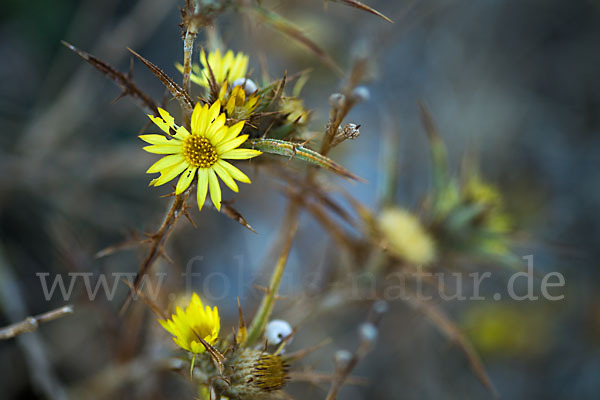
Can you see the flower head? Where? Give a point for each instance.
(201, 153)
(238, 104)
(406, 236)
(195, 323)
(224, 68)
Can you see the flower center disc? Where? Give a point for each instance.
(199, 152)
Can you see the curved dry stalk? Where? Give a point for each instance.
(158, 241)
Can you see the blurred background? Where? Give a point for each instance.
(516, 83)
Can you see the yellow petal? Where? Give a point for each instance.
(169, 174)
(196, 116)
(218, 136)
(155, 139)
(163, 148)
(232, 144)
(225, 177)
(223, 91)
(181, 133)
(214, 111)
(166, 117)
(233, 171)
(215, 189)
(165, 163)
(160, 123)
(202, 186)
(196, 299)
(215, 126)
(233, 131)
(199, 79)
(168, 327)
(185, 179)
(240, 154)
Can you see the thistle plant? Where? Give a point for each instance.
(226, 124)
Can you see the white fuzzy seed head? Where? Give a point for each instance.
(276, 331)
(381, 307)
(367, 332)
(342, 358)
(248, 84)
(361, 93)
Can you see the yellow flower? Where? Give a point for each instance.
(201, 153)
(224, 68)
(406, 237)
(481, 192)
(195, 322)
(237, 106)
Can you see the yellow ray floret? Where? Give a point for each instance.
(197, 321)
(224, 68)
(201, 153)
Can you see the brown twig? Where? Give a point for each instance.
(31, 324)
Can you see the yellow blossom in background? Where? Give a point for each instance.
(406, 237)
(237, 105)
(197, 321)
(480, 192)
(224, 68)
(201, 153)
(505, 329)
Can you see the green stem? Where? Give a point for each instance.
(266, 307)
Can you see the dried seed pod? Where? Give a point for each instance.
(351, 131)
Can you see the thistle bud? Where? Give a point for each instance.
(256, 375)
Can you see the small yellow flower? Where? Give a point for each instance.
(201, 153)
(237, 105)
(224, 68)
(195, 322)
(406, 237)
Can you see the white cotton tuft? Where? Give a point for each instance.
(248, 84)
(277, 330)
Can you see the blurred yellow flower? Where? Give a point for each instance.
(506, 329)
(201, 153)
(197, 321)
(224, 68)
(406, 237)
